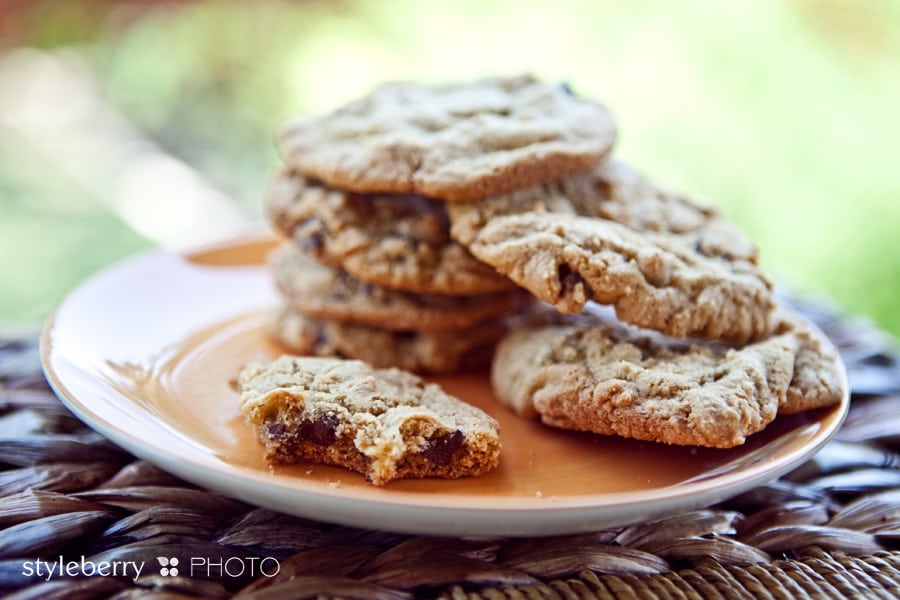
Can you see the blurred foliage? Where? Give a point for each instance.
(51, 233)
(782, 114)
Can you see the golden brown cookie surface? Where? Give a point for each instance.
(596, 374)
(422, 352)
(654, 280)
(611, 235)
(322, 292)
(453, 141)
(397, 241)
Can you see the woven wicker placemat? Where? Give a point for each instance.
(67, 496)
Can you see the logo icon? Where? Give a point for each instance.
(168, 566)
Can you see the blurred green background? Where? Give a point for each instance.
(129, 125)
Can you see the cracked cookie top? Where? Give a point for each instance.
(455, 142)
(317, 386)
(614, 191)
(612, 236)
(596, 374)
(654, 280)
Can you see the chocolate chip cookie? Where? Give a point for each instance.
(396, 241)
(613, 236)
(437, 353)
(456, 141)
(613, 191)
(818, 378)
(599, 375)
(655, 280)
(322, 292)
(386, 424)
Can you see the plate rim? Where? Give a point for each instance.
(524, 516)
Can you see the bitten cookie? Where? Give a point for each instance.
(401, 242)
(386, 424)
(436, 353)
(322, 292)
(456, 142)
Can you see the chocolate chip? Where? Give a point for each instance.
(570, 279)
(566, 88)
(321, 342)
(310, 234)
(440, 212)
(313, 241)
(604, 188)
(433, 223)
(281, 435)
(441, 448)
(276, 430)
(698, 244)
(573, 338)
(322, 431)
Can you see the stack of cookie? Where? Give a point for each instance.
(416, 213)
(376, 278)
(369, 270)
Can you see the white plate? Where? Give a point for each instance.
(144, 353)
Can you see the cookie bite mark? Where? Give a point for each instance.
(386, 424)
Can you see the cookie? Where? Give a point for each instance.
(818, 372)
(614, 191)
(386, 424)
(596, 374)
(693, 274)
(436, 353)
(608, 378)
(456, 142)
(322, 292)
(400, 242)
(655, 280)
